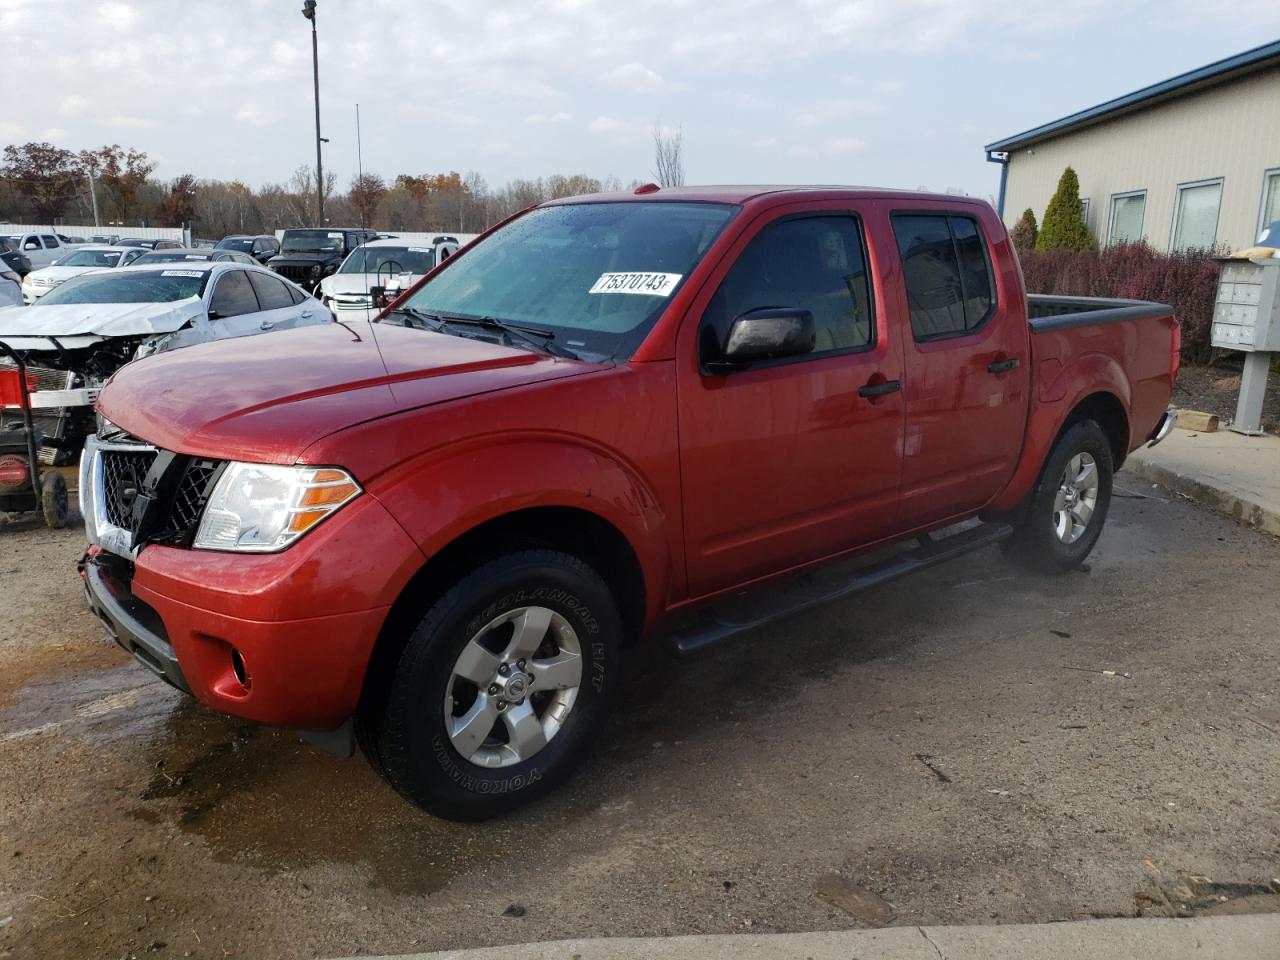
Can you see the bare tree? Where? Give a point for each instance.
(668, 156)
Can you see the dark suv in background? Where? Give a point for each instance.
(309, 254)
(262, 247)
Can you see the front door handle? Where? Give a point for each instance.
(880, 389)
(266, 325)
(1003, 366)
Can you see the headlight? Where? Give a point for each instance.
(260, 508)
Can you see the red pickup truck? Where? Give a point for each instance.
(609, 418)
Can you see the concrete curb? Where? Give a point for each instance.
(1206, 938)
(1240, 508)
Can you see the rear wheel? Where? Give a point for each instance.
(1066, 511)
(500, 688)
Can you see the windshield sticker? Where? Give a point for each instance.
(646, 284)
(335, 236)
(193, 256)
(419, 249)
(181, 273)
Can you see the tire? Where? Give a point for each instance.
(53, 500)
(437, 756)
(1053, 536)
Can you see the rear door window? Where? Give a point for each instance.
(51, 243)
(946, 274)
(272, 293)
(813, 263)
(233, 295)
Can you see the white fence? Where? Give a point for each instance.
(423, 238)
(89, 230)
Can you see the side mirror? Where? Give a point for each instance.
(767, 333)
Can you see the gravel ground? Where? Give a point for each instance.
(776, 784)
(1216, 389)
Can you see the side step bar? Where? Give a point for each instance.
(810, 589)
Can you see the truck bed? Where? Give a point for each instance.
(1049, 312)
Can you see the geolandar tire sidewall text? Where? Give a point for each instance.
(421, 760)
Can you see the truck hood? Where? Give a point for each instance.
(267, 399)
(100, 319)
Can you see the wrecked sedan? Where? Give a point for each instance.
(77, 335)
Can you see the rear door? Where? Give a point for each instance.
(788, 461)
(278, 311)
(966, 364)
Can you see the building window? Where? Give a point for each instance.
(1270, 199)
(1195, 216)
(1127, 213)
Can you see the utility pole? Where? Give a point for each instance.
(93, 198)
(309, 11)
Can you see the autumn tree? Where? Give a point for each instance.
(365, 194)
(42, 176)
(121, 175)
(178, 209)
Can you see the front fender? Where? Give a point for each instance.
(453, 490)
(1058, 396)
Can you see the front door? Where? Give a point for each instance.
(787, 461)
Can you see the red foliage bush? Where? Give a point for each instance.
(1187, 281)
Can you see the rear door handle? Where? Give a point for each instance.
(880, 389)
(1003, 366)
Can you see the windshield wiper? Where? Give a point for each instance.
(540, 340)
(431, 321)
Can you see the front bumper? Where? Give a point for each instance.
(282, 638)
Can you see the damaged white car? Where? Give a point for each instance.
(389, 266)
(77, 335)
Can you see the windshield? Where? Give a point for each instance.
(90, 258)
(415, 260)
(595, 274)
(312, 241)
(128, 286)
(243, 244)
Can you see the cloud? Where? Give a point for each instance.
(539, 118)
(605, 124)
(121, 16)
(495, 147)
(73, 105)
(768, 143)
(256, 113)
(130, 123)
(637, 78)
(53, 134)
(830, 111)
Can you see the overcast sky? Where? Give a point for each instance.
(900, 93)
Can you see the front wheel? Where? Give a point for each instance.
(1066, 511)
(500, 688)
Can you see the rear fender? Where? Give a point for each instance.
(438, 500)
(1082, 377)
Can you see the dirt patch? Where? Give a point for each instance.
(1214, 389)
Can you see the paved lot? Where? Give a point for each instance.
(728, 792)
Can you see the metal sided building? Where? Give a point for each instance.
(1190, 162)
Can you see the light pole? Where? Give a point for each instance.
(309, 11)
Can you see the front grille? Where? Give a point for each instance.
(123, 473)
(191, 496)
(177, 494)
(298, 273)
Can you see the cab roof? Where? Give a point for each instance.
(742, 194)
